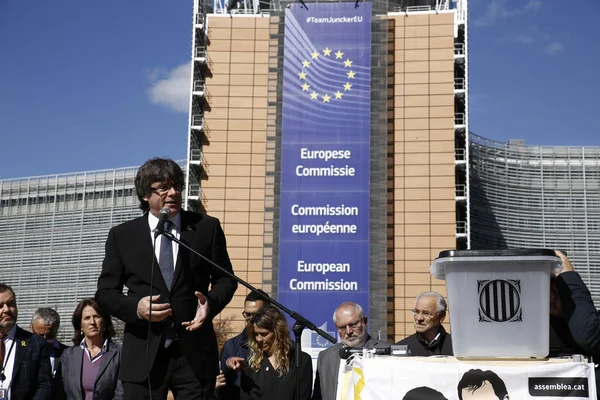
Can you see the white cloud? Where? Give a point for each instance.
(171, 88)
(523, 38)
(499, 9)
(553, 48)
(533, 5)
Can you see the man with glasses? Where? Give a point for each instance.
(351, 323)
(169, 341)
(431, 338)
(235, 349)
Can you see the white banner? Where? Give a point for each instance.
(417, 378)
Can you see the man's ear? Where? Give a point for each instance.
(366, 319)
(442, 317)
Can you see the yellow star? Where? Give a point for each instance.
(350, 74)
(315, 55)
(338, 55)
(326, 98)
(305, 87)
(302, 75)
(327, 52)
(338, 95)
(314, 95)
(347, 63)
(306, 63)
(347, 86)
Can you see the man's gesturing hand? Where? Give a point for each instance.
(201, 313)
(160, 311)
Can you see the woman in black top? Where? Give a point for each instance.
(270, 372)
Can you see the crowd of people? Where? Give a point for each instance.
(174, 290)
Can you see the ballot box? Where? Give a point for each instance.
(498, 300)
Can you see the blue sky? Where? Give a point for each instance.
(94, 85)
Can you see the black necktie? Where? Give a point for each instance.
(165, 261)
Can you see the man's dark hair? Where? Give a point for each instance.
(109, 330)
(157, 170)
(476, 378)
(253, 296)
(423, 393)
(5, 288)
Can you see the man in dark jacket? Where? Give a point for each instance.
(431, 338)
(46, 322)
(168, 336)
(574, 320)
(24, 363)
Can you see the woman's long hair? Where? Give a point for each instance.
(271, 319)
(109, 331)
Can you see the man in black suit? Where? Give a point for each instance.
(24, 364)
(168, 321)
(45, 322)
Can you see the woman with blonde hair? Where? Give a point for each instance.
(270, 372)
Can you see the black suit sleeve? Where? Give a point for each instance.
(317, 390)
(579, 309)
(44, 389)
(59, 390)
(110, 285)
(306, 376)
(222, 287)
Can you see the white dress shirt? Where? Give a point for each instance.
(175, 229)
(9, 358)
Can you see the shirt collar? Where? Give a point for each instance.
(153, 221)
(435, 340)
(83, 345)
(12, 333)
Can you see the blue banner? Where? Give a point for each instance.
(325, 154)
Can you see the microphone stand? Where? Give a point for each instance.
(300, 321)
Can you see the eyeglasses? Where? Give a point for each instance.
(164, 188)
(425, 314)
(247, 315)
(352, 326)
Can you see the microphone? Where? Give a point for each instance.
(165, 214)
(346, 352)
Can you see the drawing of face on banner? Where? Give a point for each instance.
(477, 384)
(423, 393)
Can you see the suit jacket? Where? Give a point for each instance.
(581, 316)
(328, 367)
(32, 375)
(107, 385)
(128, 258)
(56, 352)
(580, 312)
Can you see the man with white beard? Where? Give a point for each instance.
(351, 323)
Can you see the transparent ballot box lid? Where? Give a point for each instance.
(499, 301)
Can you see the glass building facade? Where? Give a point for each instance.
(52, 234)
(537, 197)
